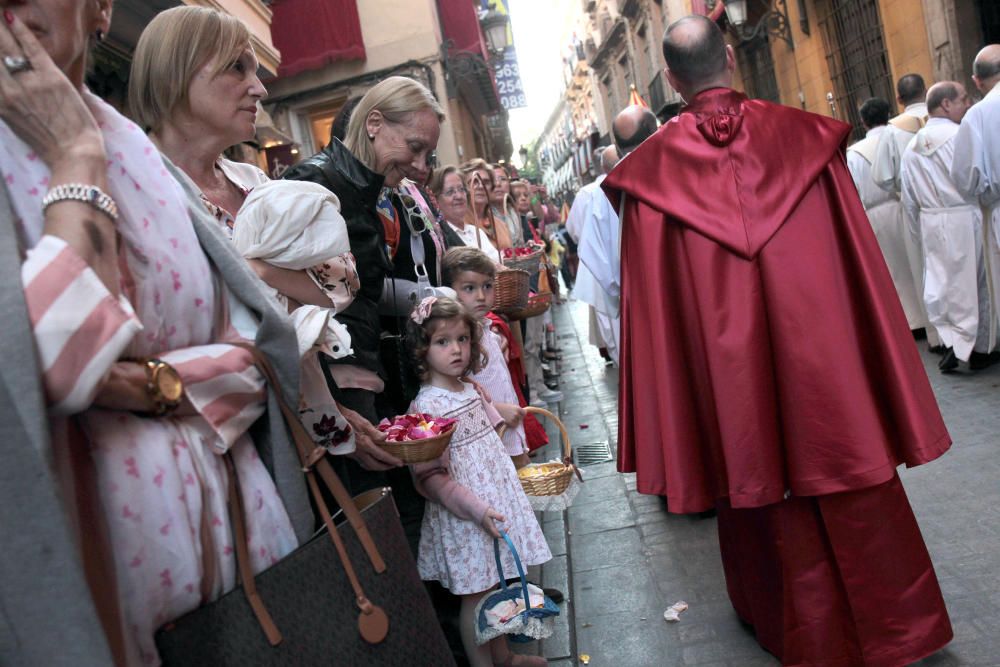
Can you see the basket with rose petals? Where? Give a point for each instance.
(527, 258)
(416, 438)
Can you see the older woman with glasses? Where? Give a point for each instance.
(459, 227)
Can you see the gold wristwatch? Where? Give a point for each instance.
(164, 385)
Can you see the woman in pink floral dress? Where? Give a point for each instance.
(117, 283)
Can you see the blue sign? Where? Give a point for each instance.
(508, 76)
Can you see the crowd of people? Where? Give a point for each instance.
(152, 286)
(149, 277)
(924, 177)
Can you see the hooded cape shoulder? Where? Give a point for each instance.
(737, 187)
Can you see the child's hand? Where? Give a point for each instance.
(488, 519)
(512, 414)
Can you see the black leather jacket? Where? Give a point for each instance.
(358, 189)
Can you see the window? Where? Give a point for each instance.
(855, 52)
(757, 67)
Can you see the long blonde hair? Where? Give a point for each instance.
(395, 98)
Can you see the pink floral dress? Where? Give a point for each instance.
(457, 551)
(162, 481)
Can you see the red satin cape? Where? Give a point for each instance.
(764, 348)
(823, 584)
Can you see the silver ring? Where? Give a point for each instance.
(15, 64)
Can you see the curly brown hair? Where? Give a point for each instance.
(418, 336)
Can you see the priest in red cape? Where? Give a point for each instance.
(768, 369)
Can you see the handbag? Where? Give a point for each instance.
(299, 611)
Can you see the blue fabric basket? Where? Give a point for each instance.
(529, 625)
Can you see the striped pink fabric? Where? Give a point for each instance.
(79, 326)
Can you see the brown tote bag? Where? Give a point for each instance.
(314, 607)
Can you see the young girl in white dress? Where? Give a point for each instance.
(473, 487)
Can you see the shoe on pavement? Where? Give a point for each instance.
(550, 395)
(554, 594)
(538, 403)
(949, 363)
(980, 360)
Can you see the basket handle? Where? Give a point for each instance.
(517, 562)
(563, 434)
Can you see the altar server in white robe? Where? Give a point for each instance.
(911, 93)
(589, 206)
(956, 293)
(885, 211)
(976, 169)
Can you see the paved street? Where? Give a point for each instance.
(624, 560)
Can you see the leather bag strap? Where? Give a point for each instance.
(237, 518)
(373, 624)
(313, 458)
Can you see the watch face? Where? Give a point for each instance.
(169, 383)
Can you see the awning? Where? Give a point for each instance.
(460, 24)
(314, 33)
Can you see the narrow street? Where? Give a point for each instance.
(623, 559)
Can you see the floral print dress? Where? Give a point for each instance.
(458, 552)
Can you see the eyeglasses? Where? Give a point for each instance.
(451, 192)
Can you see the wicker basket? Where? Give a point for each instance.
(555, 480)
(419, 451)
(510, 290)
(537, 305)
(531, 263)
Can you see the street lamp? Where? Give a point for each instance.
(494, 25)
(773, 22)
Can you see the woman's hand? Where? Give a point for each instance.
(488, 522)
(366, 438)
(44, 108)
(512, 414)
(125, 389)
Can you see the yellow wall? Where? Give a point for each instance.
(806, 69)
(905, 33)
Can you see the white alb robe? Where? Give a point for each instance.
(598, 277)
(886, 216)
(885, 174)
(892, 144)
(956, 294)
(976, 173)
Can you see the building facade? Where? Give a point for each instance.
(829, 56)
(824, 56)
(112, 58)
(343, 47)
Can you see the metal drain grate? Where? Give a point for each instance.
(592, 452)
